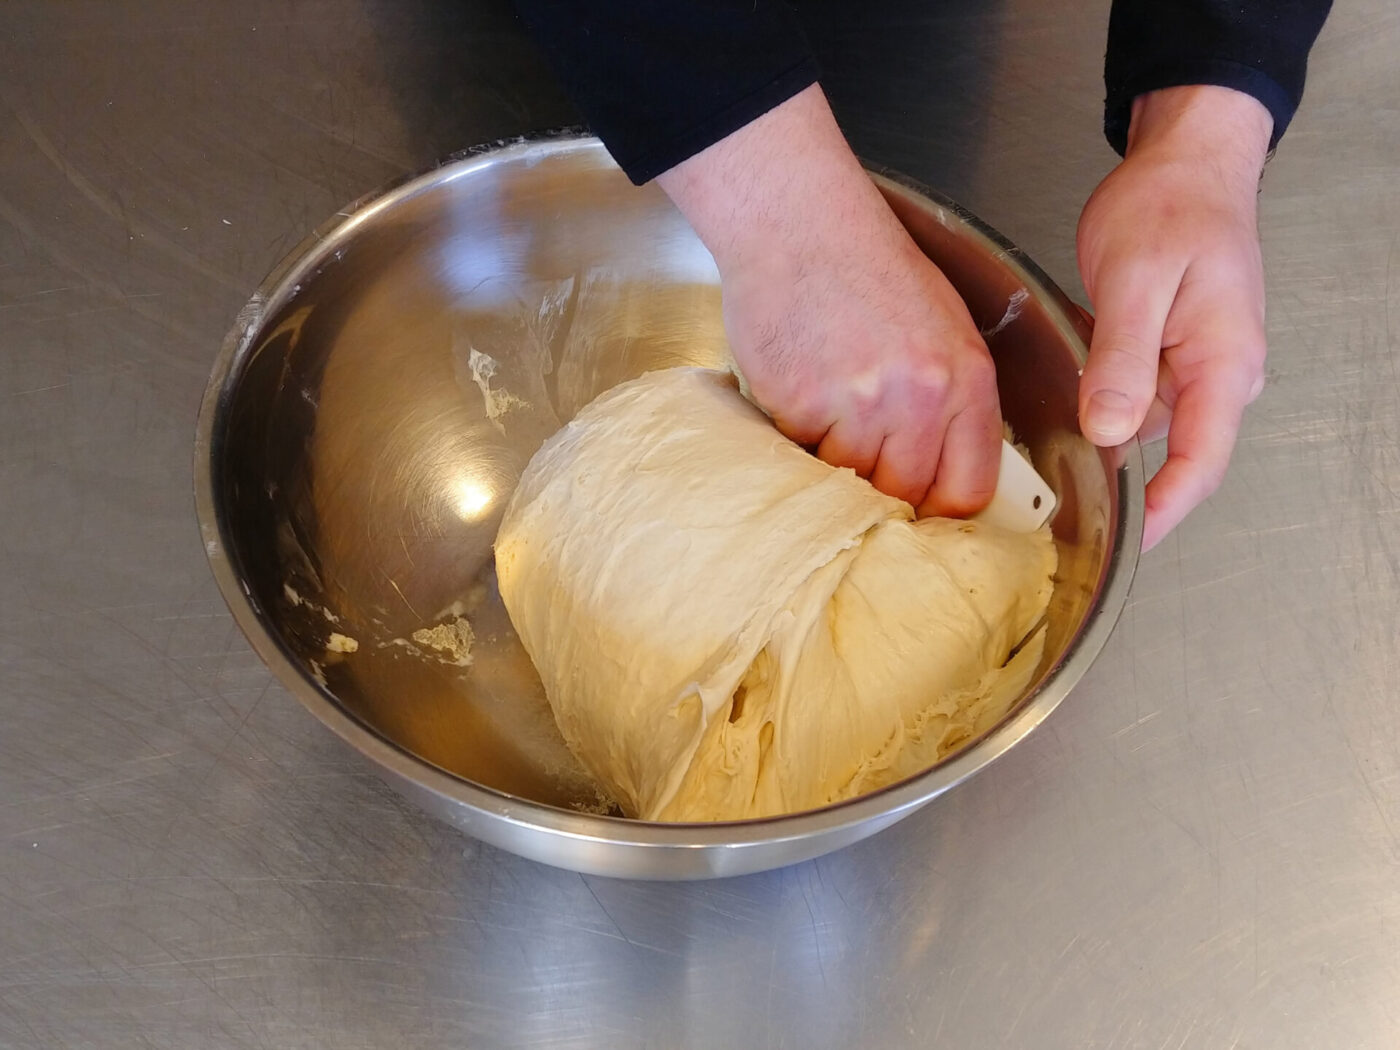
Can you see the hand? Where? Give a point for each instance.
(1169, 254)
(847, 335)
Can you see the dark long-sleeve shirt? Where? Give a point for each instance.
(659, 80)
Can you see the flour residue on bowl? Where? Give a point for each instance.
(497, 402)
(454, 639)
(296, 600)
(449, 640)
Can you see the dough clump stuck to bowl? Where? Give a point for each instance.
(727, 627)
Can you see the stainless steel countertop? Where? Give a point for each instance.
(1200, 849)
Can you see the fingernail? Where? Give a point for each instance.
(1110, 417)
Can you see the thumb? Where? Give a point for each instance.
(1120, 377)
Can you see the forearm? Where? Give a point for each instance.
(782, 186)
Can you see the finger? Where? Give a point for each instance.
(908, 460)
(1205, 422)
(806, 432)
(849, 444)
(1120, 377)
(1159, 414)
(968, 463)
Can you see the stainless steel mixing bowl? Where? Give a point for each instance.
(377, 399)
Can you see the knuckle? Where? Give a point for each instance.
(864, 390)
(1144, 262)
(980, 374)
(932, 375)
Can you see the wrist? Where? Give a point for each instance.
(784, 187)
(1225, 128)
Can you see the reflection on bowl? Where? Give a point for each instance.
(373, 407)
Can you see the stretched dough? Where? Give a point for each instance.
(727, 627)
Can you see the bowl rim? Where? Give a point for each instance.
(326, 243)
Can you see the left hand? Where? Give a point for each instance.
(1169, 253)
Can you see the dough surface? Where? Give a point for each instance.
(727, 627)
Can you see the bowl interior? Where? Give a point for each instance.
(379, 405)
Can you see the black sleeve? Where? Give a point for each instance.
(659, 80)
(1259, 47)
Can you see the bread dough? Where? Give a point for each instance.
(727, 627)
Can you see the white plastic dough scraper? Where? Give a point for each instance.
(1023, 502)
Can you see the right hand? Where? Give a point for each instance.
(848, 336)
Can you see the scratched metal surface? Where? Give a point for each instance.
(1201, 849)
